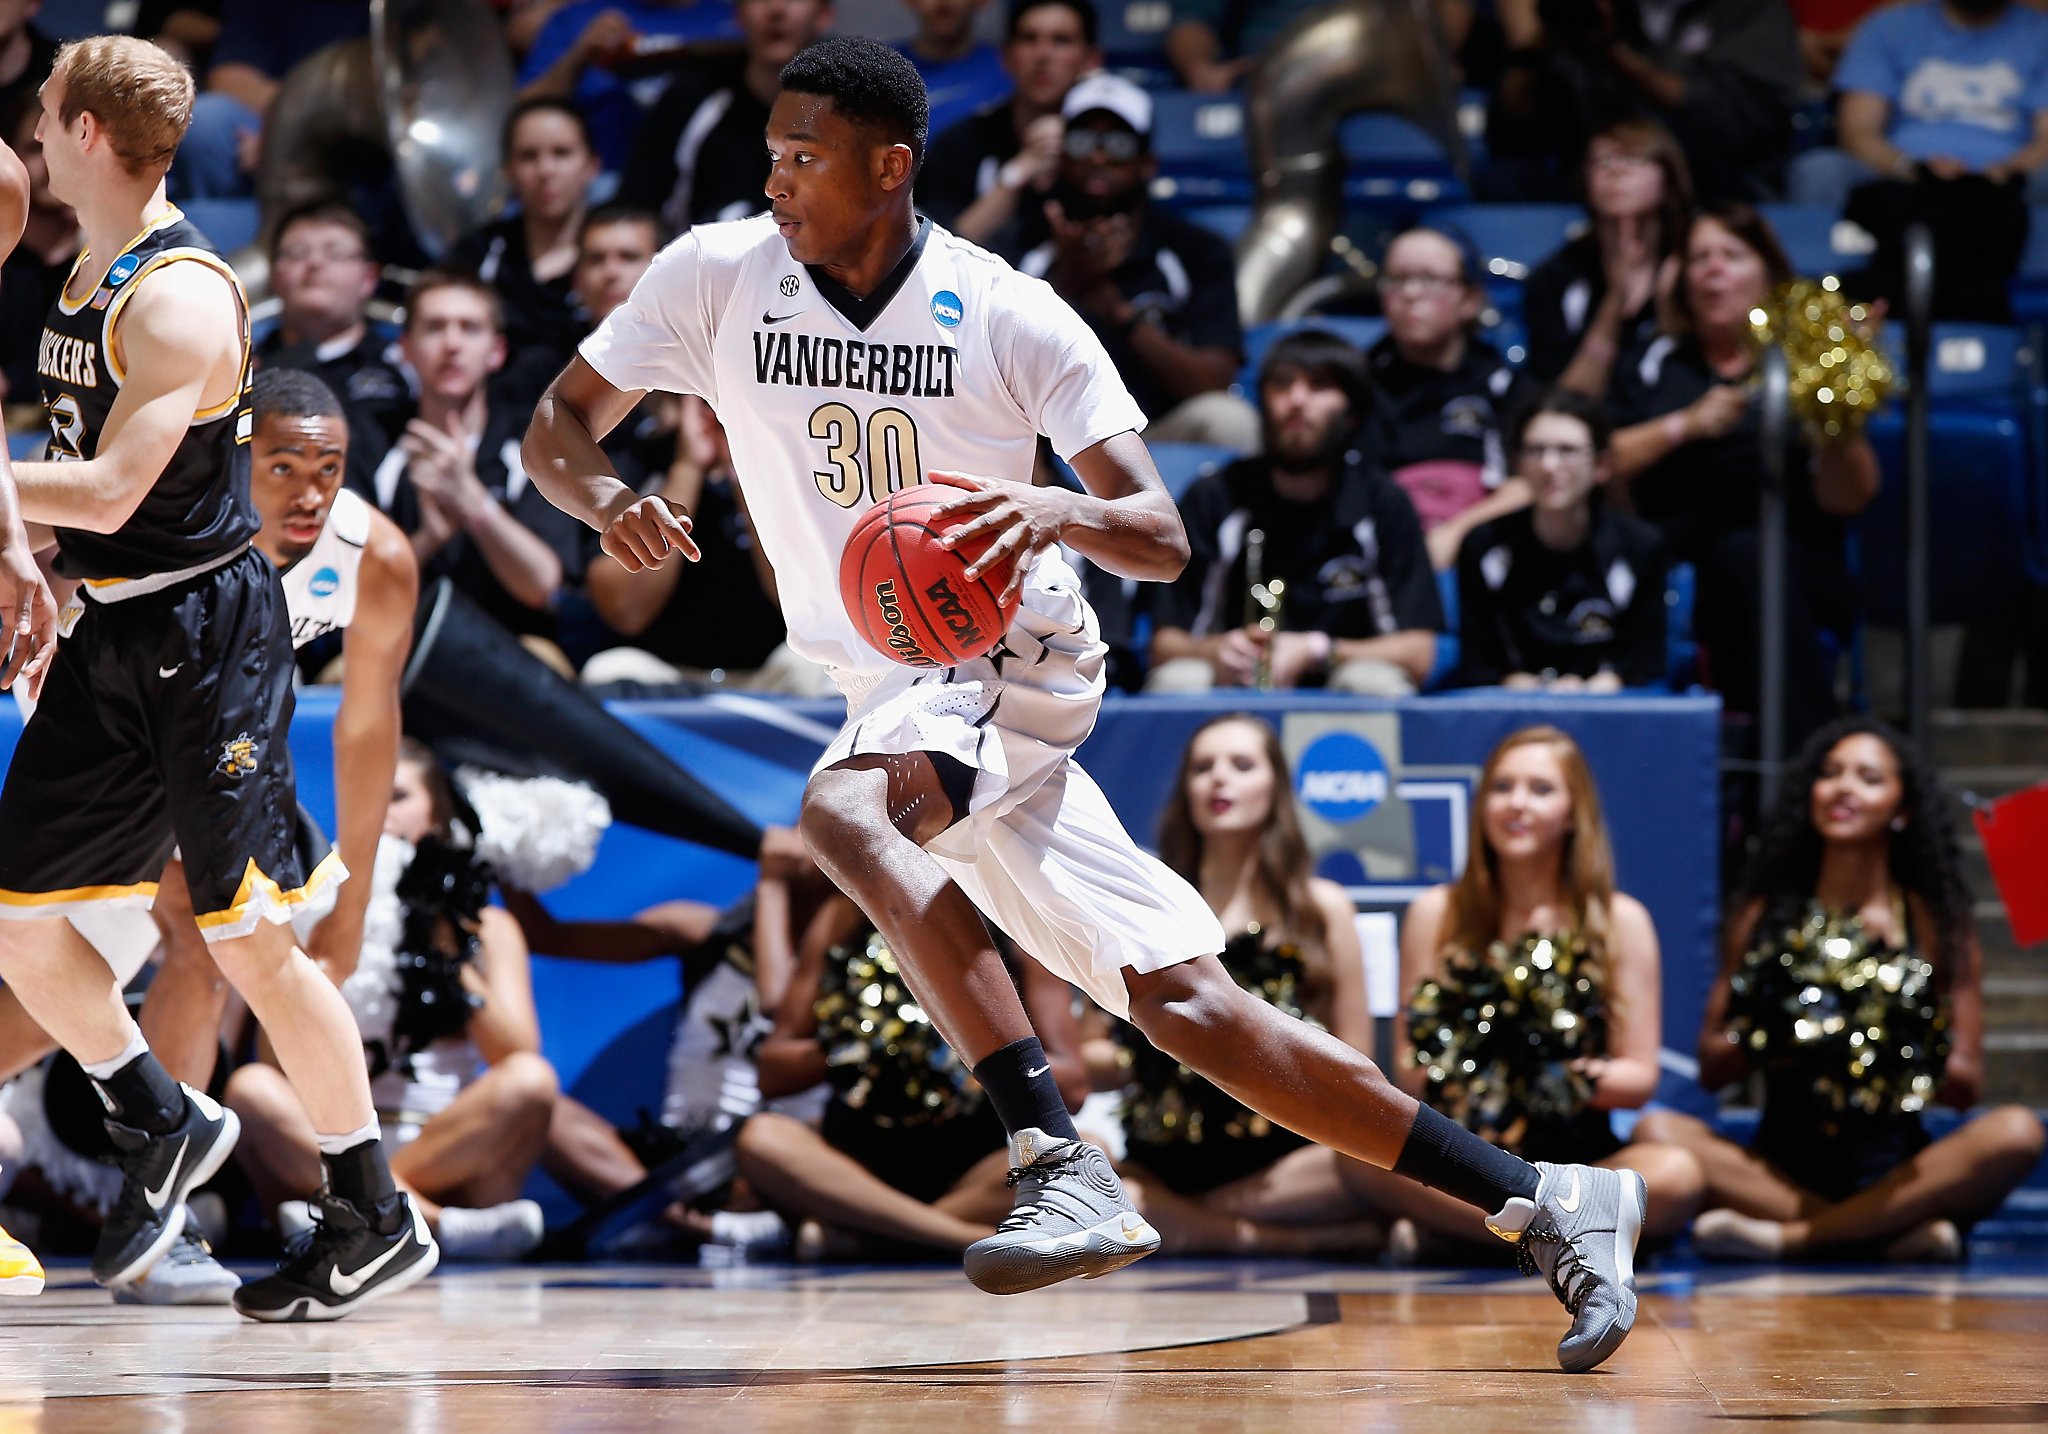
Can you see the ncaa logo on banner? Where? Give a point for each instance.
(1341, 778)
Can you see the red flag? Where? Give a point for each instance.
(2015, 833)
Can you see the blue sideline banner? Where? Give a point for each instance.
(1385, 791)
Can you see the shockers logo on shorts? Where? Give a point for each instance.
(238, 756)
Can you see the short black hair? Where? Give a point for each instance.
(1568, 403)
(1326, 358)
(323, 209)
(544, 104)
(619, 212)
(292, 393)
(1084, 10)
(867, 82)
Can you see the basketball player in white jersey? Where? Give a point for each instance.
(851, 347)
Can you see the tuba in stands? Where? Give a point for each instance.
(1349, 56)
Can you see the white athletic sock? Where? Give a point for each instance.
(336, 1144)
(102, 1070)
(495, 1232)
(750, 1229)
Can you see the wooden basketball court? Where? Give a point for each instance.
(1180, 1347)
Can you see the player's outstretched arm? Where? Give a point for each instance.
(180, 343)
(1126, 522)
(367, 727)
(563, 457)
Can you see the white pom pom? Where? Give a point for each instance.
(372, 988)
(538, 832)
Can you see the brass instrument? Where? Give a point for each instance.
(1263, 600)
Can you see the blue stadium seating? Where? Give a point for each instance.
(73, 19)
(1180, 464)
(1514, 238)
(1229, 221)
(228, 224)
(1132, 36)
(1816, 239)
(1364, 332)
(1199, 142)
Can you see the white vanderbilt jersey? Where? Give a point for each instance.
(320, 588)
(830, 403)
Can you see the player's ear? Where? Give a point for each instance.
(895, 166)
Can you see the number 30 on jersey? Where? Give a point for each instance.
(867, 462)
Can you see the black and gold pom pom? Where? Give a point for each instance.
(885, 1056)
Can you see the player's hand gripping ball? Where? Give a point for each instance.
(909, 595)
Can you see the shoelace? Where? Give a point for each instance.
(1570, 1276)
(1023, 1216)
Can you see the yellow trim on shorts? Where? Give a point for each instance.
(30, 900)
(259, 890)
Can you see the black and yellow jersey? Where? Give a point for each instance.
(199, 510)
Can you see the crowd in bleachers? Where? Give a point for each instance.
(1526, 454)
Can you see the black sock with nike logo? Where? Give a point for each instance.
(1018, 1079)
(142, 1096)
(1442, 1154)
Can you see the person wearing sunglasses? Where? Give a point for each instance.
(1160, 292)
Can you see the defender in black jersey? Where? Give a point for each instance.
(164, 717)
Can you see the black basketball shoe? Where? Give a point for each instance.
(350, 1257)
(158, 1172)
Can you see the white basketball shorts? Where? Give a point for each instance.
(1041, 852)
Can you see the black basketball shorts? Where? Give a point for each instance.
(162, 724)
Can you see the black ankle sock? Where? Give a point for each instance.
(1443, 1154)
(361, 1176)
(142, 1095)
(1018, 1079)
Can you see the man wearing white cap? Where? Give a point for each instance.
(1160, 292)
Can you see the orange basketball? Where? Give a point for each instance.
(910, 598)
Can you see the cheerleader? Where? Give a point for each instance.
(1543, 869)
(444, 999)
(1861, 834)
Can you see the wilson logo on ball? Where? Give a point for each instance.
(905, 645)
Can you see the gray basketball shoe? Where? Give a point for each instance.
(1071, 1217)
(1580, 1234)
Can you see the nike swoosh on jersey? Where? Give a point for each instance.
(161, 1196)
(768, 318)
(346, 1285)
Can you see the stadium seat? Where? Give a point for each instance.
(75, 19)
(1132, 37)
(1199, 142)
(228, 224)
(1817, 240)
(1227, 221)
(1180, 464)
(1365, 332)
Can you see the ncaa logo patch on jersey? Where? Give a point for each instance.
(946, 308)
(325, 583)
(122, 270)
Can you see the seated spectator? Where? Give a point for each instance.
(448, 470)
(1722, 76)
(1214, 43)
(1688, 452)
(699, 156)
(614, 245)
(1940, 89)
(1541, 867)
(1861, 834)
(1565, 594)
(1213, 1177)
(1440, 394)
(1599, 294)
(445, 1006)
(258, 45)
(1361, 609)
(659, 614)
(583, 47)
(734, 966)
(960, 73)
(323, 274)
(36, 268)
(529, 256)
(994, 166)
(1159, 292)
(890, 1170)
